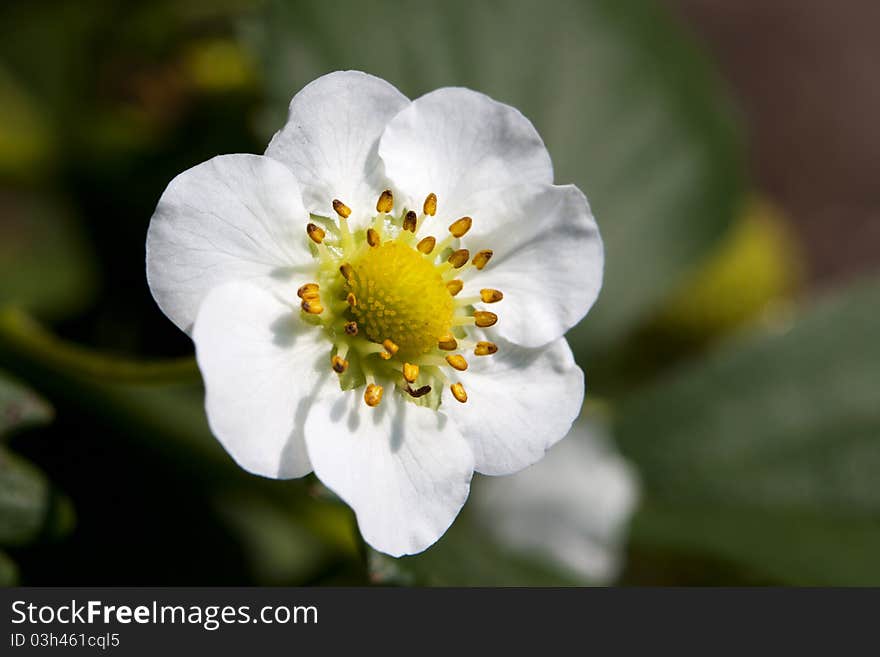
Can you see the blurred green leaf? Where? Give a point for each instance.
(287, 544)
(24, 499)
(29, 506)
(624, 101)
(46, 264)
(768, 451)
(20, 407)
(8, 571)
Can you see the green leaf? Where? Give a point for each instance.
(8, 571)
(45, 261)
(20, 407)
(769, 449)
(625, 103)
(24, 500)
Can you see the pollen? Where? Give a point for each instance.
(316, 233)
(385, 202)
(373, 394)
(457, 361)
(482, 258)
(401, 298)
(430, 206)
(459, 258)
(460, 227)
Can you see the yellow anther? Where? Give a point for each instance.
(316, 233)
(447, 343)
(458, 392)
(410, 221)
(488, 295)
(485, 348)
(482, 258)
(454, 286)
(457, 361)
(460, 226)
(426, 245)
(390, 347)
(351, 328)
(410, 372)
(373, 394)
(338, 364)
(484, 319)
(308, 291)
(372, 237)
(430, 206)
(312, 306)
(459, 258)
(341, 208)
(351, 300)
(346, 270)
(385, 202)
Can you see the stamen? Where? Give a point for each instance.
(410, 221)
(308, 291)
(338, 364)
(351, 328)
(430, 206)
(485, 348)
(461, 226)
(373, 394)
(346, 270)
(410, 372)
(390, 350)
(488, 295)
(457, 361)
(459, 258)
(447, 343)
(372, 237)
(316, 233)
(454, 286)
(420, 392)
(385, 202)
(426, 245)
(458, 392)
(341, 208)
(351, 300)
(482, 258)
(312, 306)
(484, 319)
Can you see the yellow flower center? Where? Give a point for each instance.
(401, 296)
(388, 302)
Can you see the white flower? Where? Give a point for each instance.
(571, 509)
(387, 374)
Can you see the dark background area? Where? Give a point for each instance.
(803, 74)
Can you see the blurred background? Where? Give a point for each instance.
(730, 152)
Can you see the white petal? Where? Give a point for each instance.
(404, 469)
(548, 259)
(262, 367)
(520, 402)
(234, 217)
(330, 140)
(572, 508)
(456, 142)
